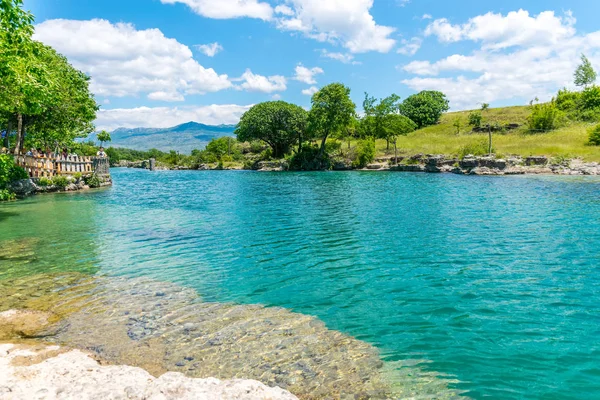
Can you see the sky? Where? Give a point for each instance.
(159, 63)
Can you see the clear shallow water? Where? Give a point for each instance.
(493, 281)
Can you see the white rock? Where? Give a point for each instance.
(74, 375)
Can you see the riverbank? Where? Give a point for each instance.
(29, 187)
(428, 163)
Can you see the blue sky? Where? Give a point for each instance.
(148, 68)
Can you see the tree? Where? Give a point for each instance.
(425, 108)
(458, 125)
(484, 108)
(395, 125)
(332, 111)
(277, 123)
(376, 114)
(585, 74)
(103, 136)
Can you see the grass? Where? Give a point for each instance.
(570, 141)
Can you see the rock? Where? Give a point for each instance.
(485, 171)
(23, 187)
(27, 324)
(468, 162)
(375, 166)
(536, 160)
(342, 165)
(71, 187)
(53, 372)
(408, 168)
(281, 165)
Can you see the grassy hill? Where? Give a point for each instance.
(569, 141)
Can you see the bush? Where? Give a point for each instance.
(44, 182)
(309, 159)
(60, 181)
(6, 195)
(92, 181)
(594, 135)
(545, 117)
(365, 153)
(10, 172)
(425, 108)
(475, 119)
(567, 101)
(479, 148)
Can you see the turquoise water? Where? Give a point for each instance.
(493, 281)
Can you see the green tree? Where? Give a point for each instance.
(485, 107)
(103, 136)
(425, 108)
(332, 111)
(475, 119)
(376, 115)
(395, 125)
(585, 74)
(277, 123)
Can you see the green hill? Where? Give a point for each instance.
(570, 141)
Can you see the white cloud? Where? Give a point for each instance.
(347, 22)
(426, 16)
(517, 28)
(410, 47)
(210, 49)
(511, 64)
(346, 58)
(307, 75)
(225, 9)
(310, 91)
(264, 84)
(164, 117)
(123, 61)
(284, 10)
(276, 96)
(166, 96)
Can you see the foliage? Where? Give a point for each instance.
(478, 148)
(332, 111)
(365, 153)
(277, 123)
(103, 136)
(458, 125)
(10, 172)
(40, 92)
(7, 195)
(584, 74)
(309, 159)
(544, 117)
(425, 108)
(60, 181)
(43, 181)
(92, 181)
(475, 119)
(376, 114)
(594, 135)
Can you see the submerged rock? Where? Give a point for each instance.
(54, 373)
(27, 324)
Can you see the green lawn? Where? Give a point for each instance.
(569, 141)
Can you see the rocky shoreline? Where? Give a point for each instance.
(28, 187)
(54, 372)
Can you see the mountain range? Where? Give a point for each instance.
(183, 138)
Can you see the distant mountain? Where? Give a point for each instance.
(183, 138)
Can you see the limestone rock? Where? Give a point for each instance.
(53, 373)
(26, 324)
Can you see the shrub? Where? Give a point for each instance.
(6, 195)
(365, 153)
(567, 101)
(92, 181)
(475, 119)
(43, 181)
(545, 117)
(60, 181)
(594, 135)
(77, 175)
(333, 147)
(308, 159)
(10, 172)
(589, 104)
(478, 148)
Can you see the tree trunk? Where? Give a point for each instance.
(6, 139)
(490, 139)
(387, 146)
(19, 134)
(395, 153)
(322, 150)
(299, 143)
